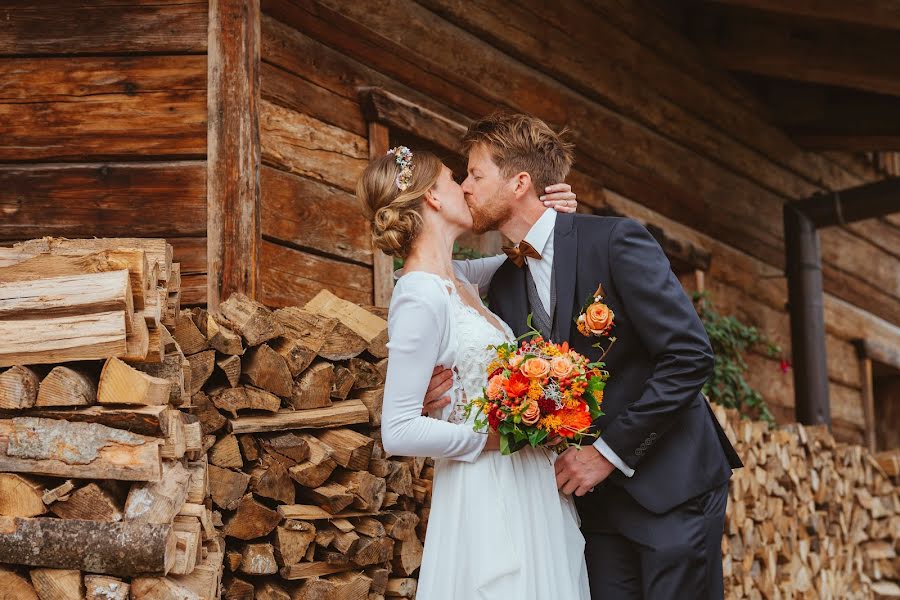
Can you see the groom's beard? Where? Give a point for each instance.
(490, 216)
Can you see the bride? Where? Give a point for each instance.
(498, 527)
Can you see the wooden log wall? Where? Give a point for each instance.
(103, 124)
(661, 135)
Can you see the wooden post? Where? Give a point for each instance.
(383, 265)
(233, 163)
(868, 397)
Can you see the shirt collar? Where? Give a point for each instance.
(541, 231)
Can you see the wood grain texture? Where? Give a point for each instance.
(61, 339)
(233, 162)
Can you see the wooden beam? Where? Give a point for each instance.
(381, 106)
(877, 13)
(856, 204)
(383, 265)
(868, 399)
(233, 165)
(815, 51)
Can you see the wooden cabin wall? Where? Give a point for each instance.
(662, 136)
(103, 124)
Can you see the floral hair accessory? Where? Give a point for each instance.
(403, 157)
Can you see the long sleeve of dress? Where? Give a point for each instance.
(479, 271)
(415, 327)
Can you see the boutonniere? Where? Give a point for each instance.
(596, 319)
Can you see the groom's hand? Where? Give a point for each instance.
(440, 384)
(578, 470)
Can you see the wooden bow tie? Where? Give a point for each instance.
(518, 253)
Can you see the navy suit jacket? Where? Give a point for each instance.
(655, 418)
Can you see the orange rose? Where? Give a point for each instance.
(515, 361)
(598, 318)
(531, 414)
(535, 368)
(495, 386)
(560, 367)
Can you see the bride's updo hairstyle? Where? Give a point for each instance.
(391, 189)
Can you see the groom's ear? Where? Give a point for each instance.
(523, 184)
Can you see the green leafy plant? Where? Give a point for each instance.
(730, 339)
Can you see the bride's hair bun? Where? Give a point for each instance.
(396, 214)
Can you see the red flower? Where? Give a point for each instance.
(547, 406)
(785, 366)
(494, 419)
(496, 372)
(517, 385)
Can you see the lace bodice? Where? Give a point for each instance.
(475, 333)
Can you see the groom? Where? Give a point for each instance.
(652, 489)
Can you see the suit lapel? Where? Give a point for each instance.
(565, 261)
(512, 289)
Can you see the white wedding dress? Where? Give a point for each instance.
(498, 527)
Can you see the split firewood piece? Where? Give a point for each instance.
(310, 570)
(400, 479)
(121, 548)
(407, 556)
(227, 487)
(18, 388)
(373, 551)
(193, 435)
(231, 368)
(155, 349)
(343, 541)
(342, 344)
(249, 447)
(175, 444)
(363, 323)
(237, 588)
(15, 587)
(252, 320)
(266, 369)
(351, 585)
(367, 376)
(269, 590)
(137, 341)
(81, 450)
(379, 577)
(222, 338)
(400, 525)
(369, 526)
(144, 420)
(67, 296)
(202, 407)
(59, 492)
(258, 559)
(172, 369)
(202, 365)
(401, 587)
(374, 400)
(188, 545)
(103, 587)
(91, 503)
(188, 335)
(295, 352)
(159, 588)
(367, 490)
(292, 540)
(66, 387)
(317, 468)
(251, 520)
(226, 453)
(331, 496)
(203, 515)
(159, 502)
(122, 384)
(245, 397)
(21, 496)
(271, 480)
(56, 584)
(199, 487)
(62, 339)
(343, 383)
(350, 449)
(347, 412)
(313, 388)
(302, 326)
(233, 560)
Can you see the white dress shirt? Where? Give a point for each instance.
(540, 237)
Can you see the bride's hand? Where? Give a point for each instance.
(560, 197)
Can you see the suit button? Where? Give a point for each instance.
(639, 452)
(653, 436)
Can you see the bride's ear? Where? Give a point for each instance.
(431, 200)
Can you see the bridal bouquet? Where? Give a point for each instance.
(539, 392)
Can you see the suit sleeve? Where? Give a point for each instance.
(668, 326)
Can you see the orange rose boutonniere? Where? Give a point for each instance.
(596, 319)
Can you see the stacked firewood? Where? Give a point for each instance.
(808, 517)
(103, 478)
(310, 504)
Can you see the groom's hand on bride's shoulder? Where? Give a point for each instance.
(578, 470)
(440, 384)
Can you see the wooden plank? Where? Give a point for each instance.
(814, 51)
(79, 450)
(305, 213)
(61, 339)
(382, 107)
(868, 401)
(291, 277)
(301, 144)
(233, 162)
(103, 200)
(68, 295)
(347, 412)
(877, 13)
(306, 570)
(122, 548)
(142, 420)
(103, 26)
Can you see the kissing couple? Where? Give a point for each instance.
(639, 513)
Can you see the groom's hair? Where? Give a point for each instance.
(523, 143)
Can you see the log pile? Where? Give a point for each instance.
(808, 517)
(104, 481)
